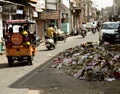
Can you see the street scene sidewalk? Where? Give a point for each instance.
(54, 78)
(59, 47)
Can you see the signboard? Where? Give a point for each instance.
(9, 9)
(50, 15)
(18, 11)
(40, 5)
(51, 6)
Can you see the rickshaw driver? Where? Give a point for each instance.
(26, 34)
(25, 30)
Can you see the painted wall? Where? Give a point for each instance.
(1, 27)
(40, 29)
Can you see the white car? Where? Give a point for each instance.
(88, 26)
(109, 32)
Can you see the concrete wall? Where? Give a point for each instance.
(40, 29)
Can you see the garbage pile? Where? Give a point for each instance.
(89, 62)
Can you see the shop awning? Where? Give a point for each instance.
(34, 5)
(4, 1)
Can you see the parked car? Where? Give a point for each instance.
(109, 32)
(89, 26)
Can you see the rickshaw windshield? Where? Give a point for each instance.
(16, 24)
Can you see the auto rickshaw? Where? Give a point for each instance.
(20, 40)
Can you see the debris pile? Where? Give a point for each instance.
(89, 61)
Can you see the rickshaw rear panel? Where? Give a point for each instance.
(19, 45)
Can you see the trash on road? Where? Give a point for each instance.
(90, 61)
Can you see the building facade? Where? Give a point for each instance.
(65, 14)
(116, 7)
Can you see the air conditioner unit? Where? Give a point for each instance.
(0, 8)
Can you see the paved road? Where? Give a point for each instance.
(15, 80)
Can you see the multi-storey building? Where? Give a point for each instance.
(82, 10)
(116, 7)
(76, 10)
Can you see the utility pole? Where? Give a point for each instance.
(59, 23)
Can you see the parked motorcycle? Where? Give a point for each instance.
(49, 43)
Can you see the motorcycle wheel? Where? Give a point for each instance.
(49, 48)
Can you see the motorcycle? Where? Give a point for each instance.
(49, 43)
(93, 30)
(83, 33)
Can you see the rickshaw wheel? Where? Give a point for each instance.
(10, 61)
(30, 58)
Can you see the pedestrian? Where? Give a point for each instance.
(98, 26)
(55, 34)
(55, 38)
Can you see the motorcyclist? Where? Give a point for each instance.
(83, 27)
(51, 32)
(93, 27)
(83, 31)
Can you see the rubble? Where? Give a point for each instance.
(90, 61)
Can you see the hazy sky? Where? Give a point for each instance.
(102, 3)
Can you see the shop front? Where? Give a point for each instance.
(49, 17)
